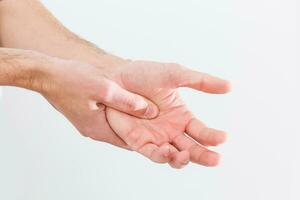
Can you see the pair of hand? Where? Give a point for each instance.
(136, 105)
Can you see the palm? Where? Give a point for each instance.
(164, 138)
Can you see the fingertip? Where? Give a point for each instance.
(151, 112)
(165, 150)
(227, 86)
(223, 87)
(156, 154)
(218, 138)
(144, 109)
(215, 161)
(185, 158)
(221, 137)
(210, 159)
(180, 159)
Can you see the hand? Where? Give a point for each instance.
(175, 136)
(75, 91)
(81, 92)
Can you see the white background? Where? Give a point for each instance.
(255, 44)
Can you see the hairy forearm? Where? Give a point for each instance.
(27, 24)
(23, 68)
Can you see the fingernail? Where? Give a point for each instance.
(150, 112)
(185, 162)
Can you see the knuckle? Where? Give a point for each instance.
(107, 92)
(86, 131)
(173, 72)
(89, 131)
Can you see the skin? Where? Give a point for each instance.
(175, 136)
(77, 90)
(131, 104)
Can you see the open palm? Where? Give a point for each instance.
(175, 136)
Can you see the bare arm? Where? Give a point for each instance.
(22, 68)
(27, 24)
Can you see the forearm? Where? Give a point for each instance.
(27, 24)
(23, 68)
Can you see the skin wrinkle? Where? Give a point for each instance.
(124, 144)
(26, 24)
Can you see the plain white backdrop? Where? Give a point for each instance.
(255, 44)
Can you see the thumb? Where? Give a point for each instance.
(120, 99)
(185, 77)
